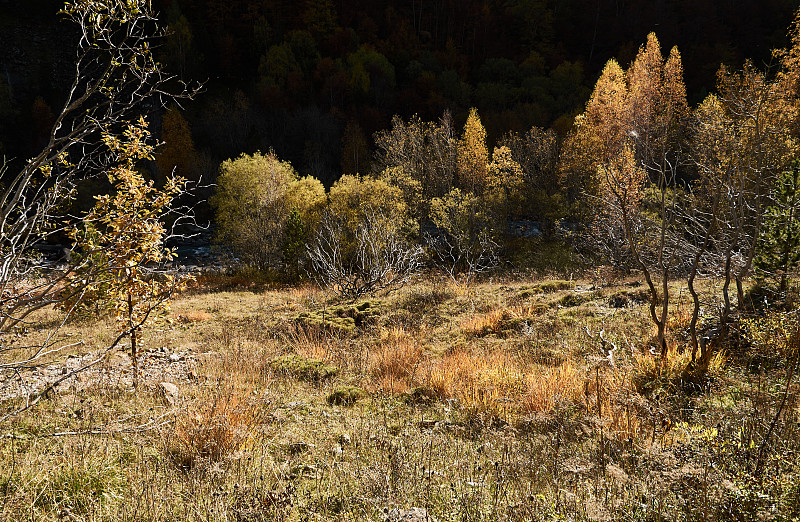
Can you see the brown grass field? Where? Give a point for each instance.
(492, 401)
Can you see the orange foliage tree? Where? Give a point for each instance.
(625, 151)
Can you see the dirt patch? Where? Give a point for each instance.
(109, 369)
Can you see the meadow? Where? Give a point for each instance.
(512, 398)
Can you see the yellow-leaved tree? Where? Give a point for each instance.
(504, 185)
(256, 196)
(364, 243)
(420, 158)
(119, 249)
(742, 141)
(115, 74)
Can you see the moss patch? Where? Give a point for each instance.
(345, 396)
(626, 298)
(311, 370)
(545, 287)
(346, 318)
(572, 299)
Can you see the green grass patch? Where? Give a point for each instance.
(79, 489)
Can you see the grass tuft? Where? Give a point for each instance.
(395, 361)
(80, 488)
(210, 432)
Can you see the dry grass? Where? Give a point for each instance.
(521, 416)
(396, 360)
(194, 316)
(216, 427)
(485, 324)
(310, 342)
(550, 388)
(650, 369)
(488, 384)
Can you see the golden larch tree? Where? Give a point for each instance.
(632, 134)
(473, 156)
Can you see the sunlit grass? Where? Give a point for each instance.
(490, 401)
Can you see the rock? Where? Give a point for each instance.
(409, 515)
(169, 393)
(174, 357)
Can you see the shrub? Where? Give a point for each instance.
(355, 200)
(256, 196)
(463, 243)
(778, 252)
(363, 242)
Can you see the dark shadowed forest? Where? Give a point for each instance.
(309, 78)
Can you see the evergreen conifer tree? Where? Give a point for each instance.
(779, 244)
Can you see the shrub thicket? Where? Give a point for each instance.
(256, 197)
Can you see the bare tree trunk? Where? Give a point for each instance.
(740, 275)
(662, 324)
(690, 284)
(726, 309)
(662, 343)
(695, 308)
(134, 357)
